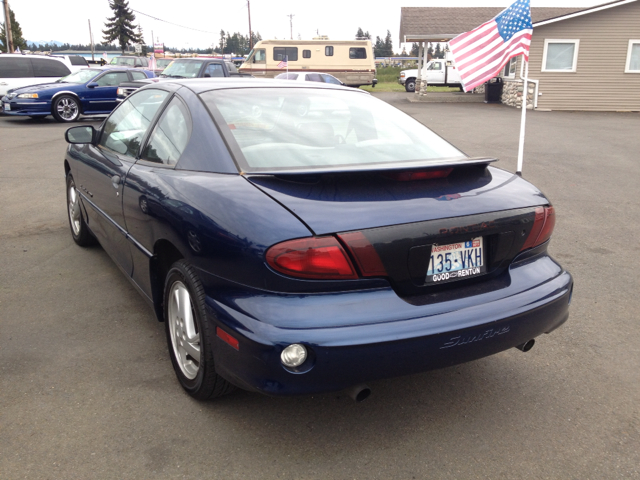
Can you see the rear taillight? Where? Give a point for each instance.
(545, 220)
(365, 255)
(321, 258)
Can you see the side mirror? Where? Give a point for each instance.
(207, 75)
(92, 85)
(80, 135)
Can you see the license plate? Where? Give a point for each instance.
(456, 261)
(7, 107)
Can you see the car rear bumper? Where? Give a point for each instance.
(362, 336)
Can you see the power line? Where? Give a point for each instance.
(171, 23)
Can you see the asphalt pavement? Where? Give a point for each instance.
(87, 389)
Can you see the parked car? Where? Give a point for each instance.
(89, 91)
(161, 64)
(185, 68)
(300, 238)
(439, 72)
(128, 61)
(18, 70)
(309, 77)
(74, 62)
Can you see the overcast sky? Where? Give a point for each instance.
(67, 20)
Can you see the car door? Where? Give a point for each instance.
(102, 98)
(435, 73)
(102, 172)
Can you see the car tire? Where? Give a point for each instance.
(190, 334)
(66, 108)
(79, 230)
(410, 85)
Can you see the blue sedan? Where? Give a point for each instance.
(303, 237)
(89, 91)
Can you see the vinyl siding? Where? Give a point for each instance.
(599, 83)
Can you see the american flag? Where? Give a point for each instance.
(283, 63)
(481, 53)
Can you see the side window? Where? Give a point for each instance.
(78, 60)
(13, 67)
(112, 79)
(357, 53)
(260, 56)
(633, 57)
(509, 70)
(124, 130)
(170, 136)
(306, 53)
(314, 77)
(43, 67)
(214, 70)
(328, 51)
(290, 53)
(138, 75)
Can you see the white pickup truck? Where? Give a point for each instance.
(435, 72)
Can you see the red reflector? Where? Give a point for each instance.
(543, 224)
(407, 176)
(366, 256)
(227, 338)
(321, 258)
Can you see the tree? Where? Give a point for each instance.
(415, 50)
(120, 27)
(144, 50)
(16, 33)
(437, 53)
(388, 45)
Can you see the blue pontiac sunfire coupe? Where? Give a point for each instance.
(89, 91)
(303, 237)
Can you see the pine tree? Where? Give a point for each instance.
(388, 45)
(120, 27)
(430, 51)
(378, 48)
(16, 33)
(359, 34)
(415, 50)
(437, 52)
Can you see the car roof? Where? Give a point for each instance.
(200, 85)
(24, 55)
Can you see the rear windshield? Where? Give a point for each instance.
(271, 129)
(78, 60)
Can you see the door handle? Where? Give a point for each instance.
(115, 181)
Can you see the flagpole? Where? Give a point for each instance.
(523, 119)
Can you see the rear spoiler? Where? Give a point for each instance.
(382, 167)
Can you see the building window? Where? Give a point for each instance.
(633, 57)
(509, 70)
(285, 53)
(306, 53)
(560, 55)
(328, 51)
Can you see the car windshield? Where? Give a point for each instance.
(183, 69)
(81, 76)
(123, 61)
(163, 62)
(307, 128)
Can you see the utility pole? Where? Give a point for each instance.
(291, 15)
(91, 38)
(7, 27)
(250, 34)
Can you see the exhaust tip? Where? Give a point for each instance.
(359, 393)
(525, 347)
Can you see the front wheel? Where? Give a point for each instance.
(190, 334)
(79, 230)
(410, 85)
(66, 109)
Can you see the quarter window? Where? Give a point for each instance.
(560, 55)
(633, 57)
(328, 51)
(138, 75)
(289, 53)
(43, 67)
(357, 53)
(170, 136)
(126, 127)
(306, 53)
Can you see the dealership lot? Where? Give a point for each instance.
(87, 389)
